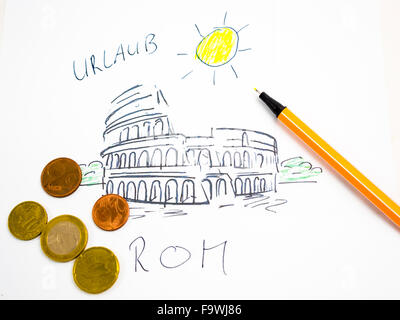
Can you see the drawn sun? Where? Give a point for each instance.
(218, 48)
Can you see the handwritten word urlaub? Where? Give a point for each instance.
(96, 64)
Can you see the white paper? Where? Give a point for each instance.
(323, 59)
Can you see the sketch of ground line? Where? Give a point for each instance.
(147, 162)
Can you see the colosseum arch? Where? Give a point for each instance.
(156, 158)
(134, 132)
(245, 140)
(146, 129)
(247, 186)
(191, 157)
(109, 160)
(256, 185)
(171, 191)
(155, 191)
(220, 187)
(158, 128)
(263, 185)
(188, 192)
(130, 191)
(124, 134)
(121, 189)
(227, 159)
(109, 187)
(143, 160)
(132, 159)
(171, 157)
(238, 186)
(246, 159)
(142, 191)
(122, 161)
(204, 158)
(115, 161)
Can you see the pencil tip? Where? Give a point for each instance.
(256, 90)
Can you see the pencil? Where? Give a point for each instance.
(333, 158)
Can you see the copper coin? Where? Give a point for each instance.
(110, 212)
(61, 177)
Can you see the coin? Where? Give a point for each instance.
(61, 177)
(110, 212)
(96, 270)
(64, 238)
(27, 220)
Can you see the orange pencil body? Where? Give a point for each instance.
(345, 168)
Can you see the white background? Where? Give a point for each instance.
(327, 60)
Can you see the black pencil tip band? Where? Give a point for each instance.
(274, 105)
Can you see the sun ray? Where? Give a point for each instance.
(162, 96)
(234, 71)
(217, 48)
(242, 28)
(187, 74)
(198, 30)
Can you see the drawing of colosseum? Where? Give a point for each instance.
(146, 161)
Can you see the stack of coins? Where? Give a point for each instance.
(64, 238)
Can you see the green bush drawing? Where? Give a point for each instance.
(297, 170)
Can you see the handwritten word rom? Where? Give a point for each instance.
(175, 256)
(96, 64)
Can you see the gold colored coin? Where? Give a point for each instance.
(64, 238)
(61, 177)
(96, 270)
(27, 220)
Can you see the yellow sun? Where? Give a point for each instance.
(218, 48)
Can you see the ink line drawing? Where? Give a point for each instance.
(217, 48)
(174, 256)
(148, 163)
